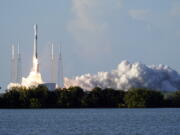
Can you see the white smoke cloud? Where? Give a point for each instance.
(33, 80)
(130, 75)
(12, 85)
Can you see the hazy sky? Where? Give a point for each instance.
(96, 35)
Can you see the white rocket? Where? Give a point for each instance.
(35, 54)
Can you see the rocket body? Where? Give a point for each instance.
(35, 54)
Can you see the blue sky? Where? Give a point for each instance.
(95, 35)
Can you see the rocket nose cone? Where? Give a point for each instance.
(35, 25)
(35, 28)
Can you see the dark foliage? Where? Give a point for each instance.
(141, 97)
(172, 99)
(76, 97)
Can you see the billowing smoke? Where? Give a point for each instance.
(130, 75)
(34, 78)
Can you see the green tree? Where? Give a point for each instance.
(112, 98)
(93, 98)
(11, 99)
(173, 99)
(40, 93)
(63, 99)
(76, 95)
(52, 99)
(141, 97)
(34, 103)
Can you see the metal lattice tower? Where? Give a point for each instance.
(13, 64)
(19, 66)
(53, 79)
(60, 70)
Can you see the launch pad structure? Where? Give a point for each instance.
(16, 67)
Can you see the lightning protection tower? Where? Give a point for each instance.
(53, 69)
(13, 64)
(60, 70)
(19, 66)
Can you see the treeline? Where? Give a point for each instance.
(75, 97)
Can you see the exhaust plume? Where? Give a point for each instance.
(130, 75)
(34, 78)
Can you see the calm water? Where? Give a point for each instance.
(90, 122)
